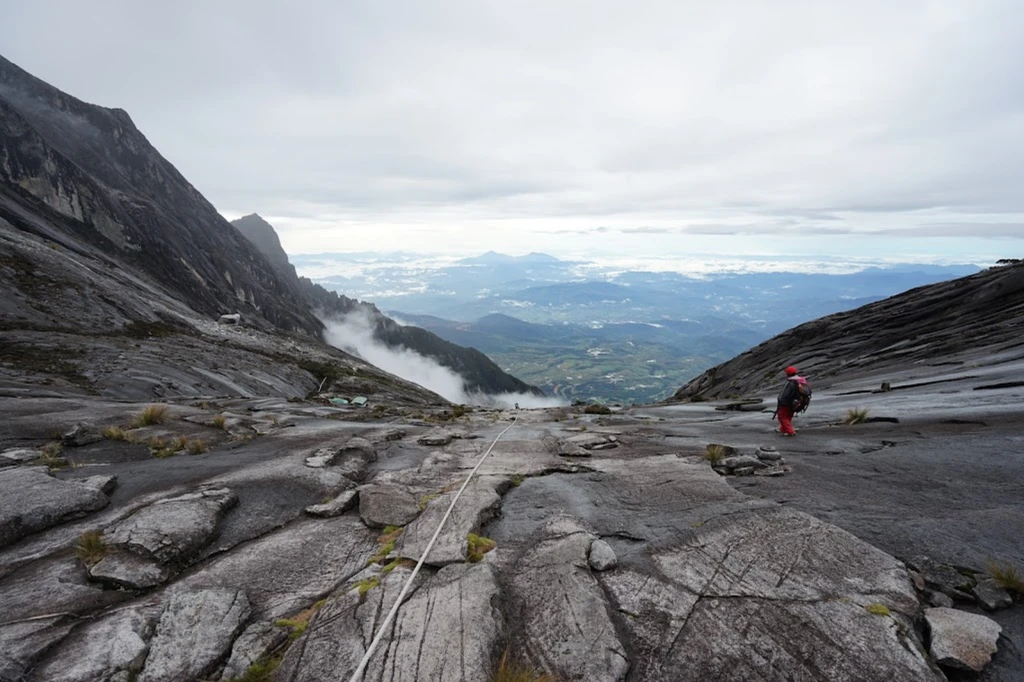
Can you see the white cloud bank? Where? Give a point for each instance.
(354, 334)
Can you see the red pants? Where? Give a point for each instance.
(785, 415)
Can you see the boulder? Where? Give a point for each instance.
(386, 505)
(105, 484)
(195, 631)
(436, 438)
(322, 457)
(990, 596)
(743, 462)
(385, 435)
(81, 434)
(767, 453)
(256, 641)
(100, 650)
(962, 640)
(128, 570)
(944, 578)
(336, 507)
(602, 556)
(32, 500)
(475, 507)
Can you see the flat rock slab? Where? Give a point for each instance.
(436, 438)
(19, 456)
(384, 504)
(960, 639)
(105, 484)
(562, 613)
(195, 631)
(336, 507)
(771, 594)
(31, 500)
(256, 641)
(115, 644)
(21, 643)
(174, 528)
(591, 441)
(475, 507)
(128, 570)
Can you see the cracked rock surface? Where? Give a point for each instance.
(31, 500)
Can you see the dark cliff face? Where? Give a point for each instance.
(957, 322)
(479, 371)
(92, 167)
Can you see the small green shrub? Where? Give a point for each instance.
(715, 453)
(597, 409)
(90, 547)
(152, 414)
(477, 546)
(878, 609)
(1007, 576)
(857, 415)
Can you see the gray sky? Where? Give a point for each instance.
(862, 127)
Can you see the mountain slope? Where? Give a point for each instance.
(968, 321)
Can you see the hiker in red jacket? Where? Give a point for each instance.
(793, 398)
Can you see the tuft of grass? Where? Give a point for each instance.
(1007, 576)
(152, 414)
(367, 584)
(162, 448)
(857, 415)
(517, 480)
(51, 451)
(597, 409)
(180, 443)
(90, 547)
(218, 421)
(262, 670)
(878, 609)
(196, 447)
(514, 670)
(300, 621)
(426, 499)
(387, 541)
(715, 453)
(115, 433)
(477, 546)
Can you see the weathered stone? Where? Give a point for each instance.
(602, 556)
(610, 445)
(589, 441)
(436, 438)
(768, 455)
(353, 460)
(572, 450)
(105, 484)
(940, 599)
(124, 569)
(960, 639)
(100, 650)
(563, 613)
(943, 578)
(19, 455)
(420, 644)
(195, 630)
(743, 462)
(174, 528)
(990, 596)
(385, 435)
(475, 507)
(386, 505)
(257, 640)
(81, 434)
(772, 470)
(323, 457)
(743, 471)
(336, 507)
(31, 500)
(21, 643)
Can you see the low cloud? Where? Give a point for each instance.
(354, 334)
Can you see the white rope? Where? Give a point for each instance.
(358, 674)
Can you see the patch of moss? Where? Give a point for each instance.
(367, 584)
(878, 609)
(426, 499)
(477, 546)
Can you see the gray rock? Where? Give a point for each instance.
(772, 470)
(174, 528)
(257, 640)
(81, 434)
(990, 596)
(19, 455)
(726, 450)
(195, 631)
(102, 649)
(766, 455)
(572, 450)
(962, 640)
(743, 471)
(610, 445)
(590, 441)
(459, 600)
(602, 556)
(940, 599)
(21, 643)
(743, 462)
(336, 507)
(475, 507)
(563, 613)
(436, 438)
(385, 435)
(943, 578)
(323, 457)
(124, 569)
(353, 460)
(32, 500)
(105, 484)
(386, 505)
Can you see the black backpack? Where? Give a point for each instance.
(803, 397)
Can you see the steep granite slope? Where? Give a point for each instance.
(480, 372)
(967, 322)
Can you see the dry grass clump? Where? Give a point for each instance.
(218, 421)
(151, 415)
(715, 453)
(196, 447)
(513, 670)
(90, 547)
(857, 415)
(51, 451)
(115, 433)
(1007, 576)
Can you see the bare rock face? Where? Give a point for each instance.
(336, 507)
(475, 507)
(195, 630)
(128, 570)
(562, 611)
(960, 639)
(32, 500)
(105, 484)
(387, 505)
(257, 640)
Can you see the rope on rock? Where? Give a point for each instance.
(358, 674)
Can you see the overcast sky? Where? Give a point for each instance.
(866, 128)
